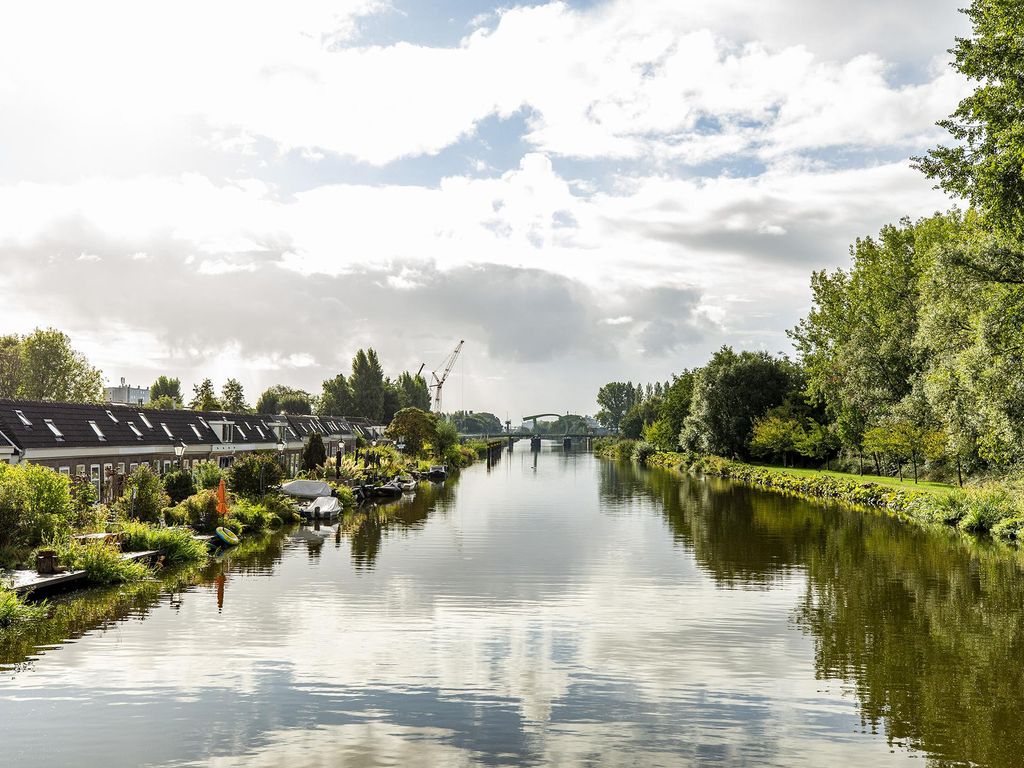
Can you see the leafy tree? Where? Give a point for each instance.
(207, 475)
(232, 397)
(282, 399)
(445, 438)
(179, 485)
(415, 427)
(336, 399)
(818, 442)
(164, 403)
(985, 164)
(476, 423)
(728, 394)
(165, 387)
(251, 475)
(204, 398)
(143, 497)
(413, 391)
(776, 434)
(367, 382)
(314, 454)
(615, 398)
(10, 365)
(391, 403)
(51, 369)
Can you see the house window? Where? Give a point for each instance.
(133, 466)
(113, 418)
(166, 430)
(196, 430)
(184, 463)
(167, 466)
(108, 471)
(145, 420)
(80, 470)
(156, 466)
(97, 430)
(120, 468)
(24, 419)
(203, 422)
(133, 428)
(53, 428)
(94, 477)
(66, 471)
(258, 429)
(225, 461)
(242, 431)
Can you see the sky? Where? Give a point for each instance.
(583, 191)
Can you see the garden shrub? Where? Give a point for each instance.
(179, 485)
(251, 476)
(35, 505)
(199, 511)
(101, 562)
(143, 497)
(643, 451)
(178, 545)
(207, 475)
(14, 611)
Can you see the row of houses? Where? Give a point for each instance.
(105, 442)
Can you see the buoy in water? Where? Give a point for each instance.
(227, 536)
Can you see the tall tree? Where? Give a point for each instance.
(51, 369)
(367, 384)
(615, 398)
(985, 164)
(336, 399)
(165, 386)
(414, 427)
(232, 397)
(10, 365)
(413, 391)
(730, 392)
(282, 399)
(204, 397)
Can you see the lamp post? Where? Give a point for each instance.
(179, 451)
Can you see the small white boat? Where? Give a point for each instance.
(322, 508)
(407, 483)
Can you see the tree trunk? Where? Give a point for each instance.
(959, 473)
(860, 460)
(899, 467)
(878, 465)
(915, 469)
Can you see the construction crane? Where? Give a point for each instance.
(445, 368)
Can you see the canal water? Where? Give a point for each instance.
(552, 609)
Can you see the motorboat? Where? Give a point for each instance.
(436, 472)
(390, 489)
(408, 484)
(322, 508)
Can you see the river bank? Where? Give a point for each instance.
(990, 510)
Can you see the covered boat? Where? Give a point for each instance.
(306, 489)
(323, 508)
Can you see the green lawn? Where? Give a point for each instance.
(908, 482)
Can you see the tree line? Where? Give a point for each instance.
(913, 355)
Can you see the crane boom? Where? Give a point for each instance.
(439, 381)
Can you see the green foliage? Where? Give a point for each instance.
(35, 505)
(336, 399)
(643, 451)
(776, 435)
(167, 391)
(314, 454)
(164, 403)
(367, 382)
(252, 475)
(198, 511)
(14, 611)
(985, 164)
(615, 398)
(44, 366)
(232, 397)
(415, 427)
(144, 497)
(345, 496)
(102, 563)
(179, 485)
(729, 393)
(204, 398)
(478, 423)
(207, 475)
(413, 392)
(446, 437)
(282, 399)
(255, 516)
(178, 545)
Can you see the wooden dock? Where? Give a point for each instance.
(23, 582)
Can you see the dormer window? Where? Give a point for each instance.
(133, 428)
(145, 420)
(97, 430)
(166, 430)
(24, 419)
(113, 418)
(53, 428)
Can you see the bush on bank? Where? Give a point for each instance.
(13, 610)
(178, 545)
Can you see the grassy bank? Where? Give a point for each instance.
(993, 509)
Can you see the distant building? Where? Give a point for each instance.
(127, 394)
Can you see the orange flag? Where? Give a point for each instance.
(222, 499)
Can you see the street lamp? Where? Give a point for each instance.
(179, 451)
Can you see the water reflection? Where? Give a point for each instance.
(547, 609)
